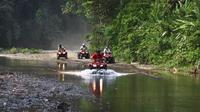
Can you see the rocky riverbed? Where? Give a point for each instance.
(20, 92)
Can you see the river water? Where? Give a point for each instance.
(121, 93)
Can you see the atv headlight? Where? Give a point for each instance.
(64, 52)
(101, 65)
(59, 52)
(94, 65)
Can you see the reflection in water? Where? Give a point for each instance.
(95, 78)
(101, 86)
(136, 93)
(17, 65)
(61, 77)
(61, 67)
(96, 86)
(127, 93)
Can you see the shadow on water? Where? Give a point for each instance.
(123, 93)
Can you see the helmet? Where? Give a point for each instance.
(60, 45)
(83, 44)
(106, 47)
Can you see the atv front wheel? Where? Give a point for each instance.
(87, 56)
(112, 60)
(78, 55)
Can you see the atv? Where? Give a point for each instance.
(62, 53)
(108, 58)
(97, 65)
(83, 54)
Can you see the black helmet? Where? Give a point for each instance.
(60, 45)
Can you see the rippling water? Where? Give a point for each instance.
(121, 92)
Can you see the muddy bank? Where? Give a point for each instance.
(26, 92)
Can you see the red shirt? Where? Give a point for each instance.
(96, 56)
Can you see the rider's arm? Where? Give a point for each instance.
(104, 51)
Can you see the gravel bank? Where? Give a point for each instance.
(20, 92)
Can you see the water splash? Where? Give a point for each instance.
(88, 74)
(96, 79)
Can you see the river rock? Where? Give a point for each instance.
(25, 92)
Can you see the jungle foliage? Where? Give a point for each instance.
(31, 23)
(148, 31)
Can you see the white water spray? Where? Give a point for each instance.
(88, 74)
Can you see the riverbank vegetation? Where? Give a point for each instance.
(159, 32)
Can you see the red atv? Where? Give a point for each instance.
(97, 65)
(62, 53)
(108, 58)
(83, 54)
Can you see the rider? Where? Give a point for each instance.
(106, 50)
(83, 47)
(97, 56)
(60, 47)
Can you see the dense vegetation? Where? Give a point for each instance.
(34, 23)
(149, 31)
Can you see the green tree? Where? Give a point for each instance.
(156, 32)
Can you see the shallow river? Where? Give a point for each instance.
(127, 93)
